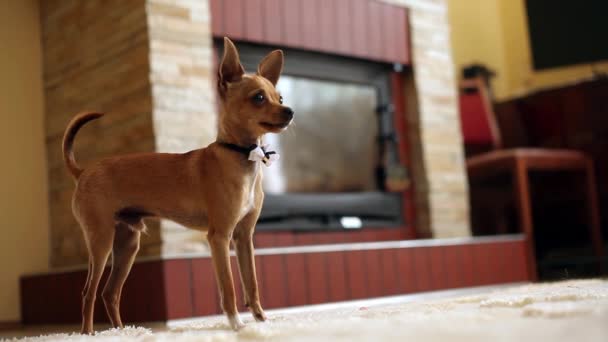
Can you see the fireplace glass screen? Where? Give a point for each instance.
(332, 144)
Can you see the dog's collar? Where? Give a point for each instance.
(240, 149)
(253, 152)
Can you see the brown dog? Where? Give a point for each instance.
(214, 188)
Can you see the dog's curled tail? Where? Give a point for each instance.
(68, 140)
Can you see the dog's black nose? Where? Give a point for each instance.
(288, 112)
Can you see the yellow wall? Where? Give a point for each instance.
(474, 35)
(23, 187)
(495, 32)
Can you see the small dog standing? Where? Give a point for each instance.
(217, 188)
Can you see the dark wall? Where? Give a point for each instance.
(573, 117)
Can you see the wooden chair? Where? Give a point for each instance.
(479, 126)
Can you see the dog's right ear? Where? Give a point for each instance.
(230, 69)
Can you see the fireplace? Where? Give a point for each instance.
(158, 97)
(334, 159)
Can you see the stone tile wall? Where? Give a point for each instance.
(182, 82)
(438, 160)
(95, 56)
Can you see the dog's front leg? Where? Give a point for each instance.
(219, 242)
(243, 242)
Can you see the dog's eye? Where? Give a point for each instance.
(258, 98)
(281, 99)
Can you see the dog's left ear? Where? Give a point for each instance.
(271, 66)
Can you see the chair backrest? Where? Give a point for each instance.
(477, 117)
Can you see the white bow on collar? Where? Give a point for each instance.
(262, 153)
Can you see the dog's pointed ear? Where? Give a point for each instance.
(271, 66)
(231, 69)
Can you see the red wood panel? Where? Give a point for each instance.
(324, 239)
(520, 257)
(327, 24)
(66, 289)
(388, 264)
(273, 22)
(336, 272)
(263, 240)
(275, 281)
(389, 23)
(422, 269)
(254, 20)
(310, 28)
(317, 278)
(205, 299)
(375, 287)
(297, 279)
(357, 273)
(374, 32)
(284, 239)
(161, 290)
(350, 236)
(503, 256)
(481, 264)
(402, 38)
(468, 269)
(405, 270)
(368, 234)
(61, 295)
(306, 239)
(293, 25)
(334, 237)
(135, 307)
(360, 28)
(354, 236)
(388, 234)
(494, 271)
(234, 18)
(178, 288)
(437, 269)
(343, 9)
(453, 262)
(511, 260)
(217, 17)
(272, 239)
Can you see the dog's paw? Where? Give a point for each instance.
(259, 316)
(86, 330)
(257, 312)
(235, 322)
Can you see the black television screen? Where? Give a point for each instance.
(565, 33)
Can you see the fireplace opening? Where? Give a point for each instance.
(332, 170)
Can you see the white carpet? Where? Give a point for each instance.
(564, 311)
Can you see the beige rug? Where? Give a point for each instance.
(564, 311)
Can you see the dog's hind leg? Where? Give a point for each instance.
(126, 245)
(86, 284)
(99, 243)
